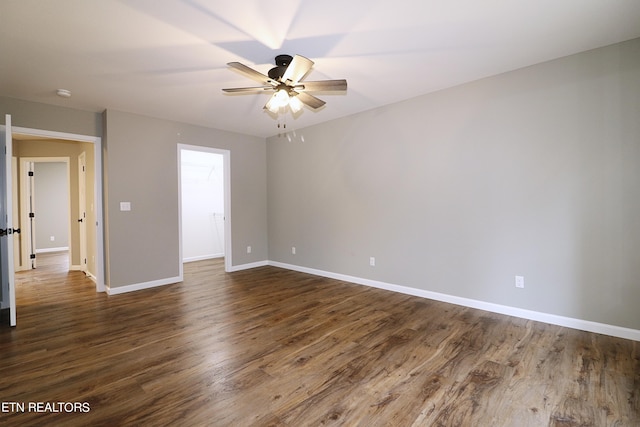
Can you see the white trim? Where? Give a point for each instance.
(250, 265)
(55, 135)
(569, 322)
(45, 250)
(98, 192)
(141, 286)
(202, 257)
(26, 238)
(81, 162)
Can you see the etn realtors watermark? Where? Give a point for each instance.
(44, 407)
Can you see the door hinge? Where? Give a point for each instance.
(32, 256)
(32, 215)
(30, 173)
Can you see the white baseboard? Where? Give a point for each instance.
(584, 325)
(248, 266)
(45, 250)
(202, 257)
(171, 280)
(140, 286)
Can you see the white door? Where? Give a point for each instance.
(6, 223)
(82, 209)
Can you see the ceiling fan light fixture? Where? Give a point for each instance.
(273, 104)
(295, 104)
(281, 97)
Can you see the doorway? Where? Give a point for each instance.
(82, 157)
(44, 209)
(205, 229)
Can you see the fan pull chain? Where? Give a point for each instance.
(283, 126)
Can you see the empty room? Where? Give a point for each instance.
(306, 213)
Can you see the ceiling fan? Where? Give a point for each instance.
(285, 80)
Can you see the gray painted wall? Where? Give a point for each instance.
(141, 166)
(50, 117)
(535, 172)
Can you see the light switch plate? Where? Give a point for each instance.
(125, 206)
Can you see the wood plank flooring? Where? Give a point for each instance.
(271, 347)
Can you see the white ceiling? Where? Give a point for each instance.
(167, 58)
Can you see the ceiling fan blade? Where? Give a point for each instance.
(297, 69)
(252, 74)
(248, 89)
(322, 85)
(310, 100)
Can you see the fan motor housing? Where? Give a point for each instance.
(282, 62)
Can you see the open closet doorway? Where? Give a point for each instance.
(204, 204)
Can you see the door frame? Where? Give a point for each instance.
(98, 187)
(226, 161)
(27, 237)
(82, 210)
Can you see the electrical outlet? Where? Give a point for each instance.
(293, 250)
(519, 281)
(372, 261)
(248, 249)
(53, 238)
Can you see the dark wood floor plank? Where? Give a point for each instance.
(271, 347)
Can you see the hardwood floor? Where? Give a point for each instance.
(269, 347)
